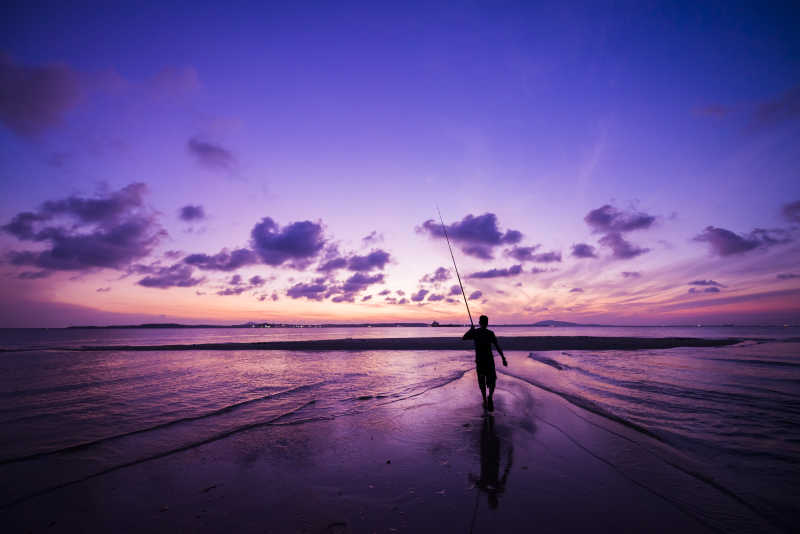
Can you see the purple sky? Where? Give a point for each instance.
(218, 164)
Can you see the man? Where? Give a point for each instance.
(484, 359)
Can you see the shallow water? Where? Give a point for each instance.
(729, 415)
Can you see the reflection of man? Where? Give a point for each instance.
(484, 359)
(490, 480)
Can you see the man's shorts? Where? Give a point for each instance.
(486, 372)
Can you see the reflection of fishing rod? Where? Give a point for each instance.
(444, 228)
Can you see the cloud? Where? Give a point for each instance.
(365, 298)
(377, 259)
(103, 289)
(210, 155)
(298, 243)
(441, 274)
(223, 260)
(791, 211)
(373, 238)
(109, 231)
(361, 281)
(475, 295)
(582, 250)
(419, 295)
(547, 257)
(477, 236)
(190, 213)
(454, 290)
(705, 283)
(256, 281)
(435, 297)
(178, 275)
(631, 274)
(621, 249)
(782, 276)
(385, 292)
(779, 109)
(608, 219)
(312, 291)
(576, 290)
(505, 272)
(723, 242)
(332, 265)
(33, 275)
(538, 270)
(35, 98)
(712, 289)
(522, 253)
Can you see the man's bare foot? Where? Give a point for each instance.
(490, 404)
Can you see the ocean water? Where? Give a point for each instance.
(729, 415)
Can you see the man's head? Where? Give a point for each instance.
(483, 321)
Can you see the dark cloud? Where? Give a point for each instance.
(103, 289)
(33, 275)
(237, 285)
(782, 276)
(385, 292)
(723, 242)
(365, 298)
(314, 290)
(298, 243)
(498, 273)
(435, 297)
(372, 238)
(223, 260)
(477, 236)
(576, 290)
(791, 211)
(538, 270)
(705, 283)
(441, 274)
(475, 295)
(402, 301)
(178, 275)
(256, 281)
(211, 155)
(547, 257)
(235, 290)
(631, 274)
(33, 99)
(522, 253)
(621, 249)
(705, 290)
(582, 250)
(419, 295)
(361, 281)
(332, 265)
(192, 213)
(608, 219)
(377, 259)
(776, 110)
(109, 231)
(454, 290)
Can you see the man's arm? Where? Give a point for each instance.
(499, 350)
(470, 333)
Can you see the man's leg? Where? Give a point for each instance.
(482, 385)
(491, 381)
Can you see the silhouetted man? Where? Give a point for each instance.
(484, 359)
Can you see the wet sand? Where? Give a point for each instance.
(434, 462)
(526, 343)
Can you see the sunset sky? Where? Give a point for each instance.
(220, 164)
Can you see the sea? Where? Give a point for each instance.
(732, 414)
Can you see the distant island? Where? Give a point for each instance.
(252, 324)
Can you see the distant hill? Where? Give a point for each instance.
(551, 322)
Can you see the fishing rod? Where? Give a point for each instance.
(444, 228)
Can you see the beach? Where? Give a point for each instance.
(414, 465)
(397, 441)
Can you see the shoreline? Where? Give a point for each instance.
(511, 343)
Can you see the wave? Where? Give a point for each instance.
(548, 361)
(213, 413)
